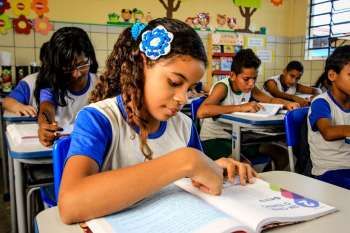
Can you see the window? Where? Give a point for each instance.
(329, 27)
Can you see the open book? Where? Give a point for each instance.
(28, 133)
(251, 208)
(266, 111)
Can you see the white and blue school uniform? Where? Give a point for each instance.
(211, 128)
(24, 91)
(65, 116)
(101, 132)
(327, 155)
(282, 88)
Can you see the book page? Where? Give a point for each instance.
(258, 204)
(266, 111)
(171, 210)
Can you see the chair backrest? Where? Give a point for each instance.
(194, 107)
(292, 123)
(59, 154)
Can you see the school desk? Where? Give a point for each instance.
(49, 220)
(272, 125)
(19, 155)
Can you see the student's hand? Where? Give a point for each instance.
(303, 102)
(24, 110)
(292, 105)
(233, 168)
(48, 133)
(251, 107)
(205, 174)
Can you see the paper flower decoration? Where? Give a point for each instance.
(277, 2)
(40, 7)
(42, 25)
(4, 24)
(156, 43)
(20, 7)
(4, 5)
(22, 25)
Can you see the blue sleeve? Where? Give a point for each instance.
(195, 142)
(91, 136)
(46, 95)
(21, 93)
(319, 109)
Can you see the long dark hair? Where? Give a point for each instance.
(124, 69)
(64, 46)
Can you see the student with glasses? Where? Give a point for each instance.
(64, 82)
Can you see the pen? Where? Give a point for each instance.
(47, 117)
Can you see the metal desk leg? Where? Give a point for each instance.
(20, 200)
(236, 141)
(12, 196)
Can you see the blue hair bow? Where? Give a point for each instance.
(136, 29)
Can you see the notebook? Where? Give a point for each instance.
(182, 208)
(267, 111)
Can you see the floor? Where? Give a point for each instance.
(5, 215)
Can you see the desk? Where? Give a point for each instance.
(252, 123)
(19, 155)
(49, 220)
(347, 140)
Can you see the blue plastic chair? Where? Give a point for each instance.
(292, 123)
(194, 107)
(59, 154)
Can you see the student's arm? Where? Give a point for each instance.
(271, 87)
(12, 105)
(307, 90)
(321, 120)
(211, 105)
(262, 97)
(48, 128)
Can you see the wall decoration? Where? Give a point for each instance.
(113, 17)
(203, 19)
(232, 23)
(126, 15)
(22, 25)
(148, 17)
(20, 7)
(173, 5)
(277, 2)
(40, 7)
(221, 21)
(4, 5)
(247, 8)
(137, 15)
(42, 25)
(4, 23)
(189, 21)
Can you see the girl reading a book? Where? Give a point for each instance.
(235, 94)
(127, 147)
(64, 82)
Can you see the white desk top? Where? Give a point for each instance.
(11, 117)
(275, 120)
(49, 221)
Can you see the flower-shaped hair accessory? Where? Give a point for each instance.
(42, 25)
(4, 24)
(20, 7)
(22, 25)
(156, 43)
(4, 5)
(136, 29)
(40, 7)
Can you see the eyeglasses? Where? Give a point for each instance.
(82, 68)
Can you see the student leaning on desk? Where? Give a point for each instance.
(64, 82)
(235, 94)
(329, 123)
(21, 100)
(126, 148)
(286, 85)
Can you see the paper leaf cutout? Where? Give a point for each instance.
(22, 25)
(20, 7)
(4, 24)
(40, 7)
(4, 5)
(42, 25)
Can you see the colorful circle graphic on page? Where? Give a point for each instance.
(298, 199)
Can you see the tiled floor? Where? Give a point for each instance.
(5, 217)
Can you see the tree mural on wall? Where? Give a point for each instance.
(173, 5)
(247, 8)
